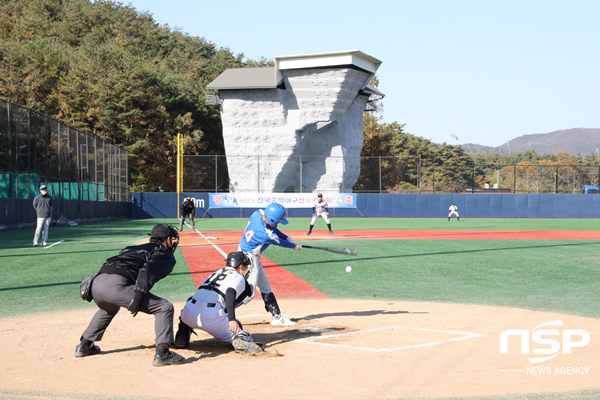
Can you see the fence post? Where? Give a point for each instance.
(216, 173)
(9, 138)
(78, 165)
(556, 180)
(343, 173)
(515, 179)
(433, 179)
(473, 180)
(379, 174)
(300, 173)
(419, 180)
(96, 168)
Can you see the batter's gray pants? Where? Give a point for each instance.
(111, 292)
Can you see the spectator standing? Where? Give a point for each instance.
(42, 203)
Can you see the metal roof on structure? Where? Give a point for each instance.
(372, 91)
(271, 77)
(348, 57)
(245, 78)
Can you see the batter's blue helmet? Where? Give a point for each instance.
(43, 187)
(276, 213)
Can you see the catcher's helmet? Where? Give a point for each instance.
(236, 259)
(276, 213)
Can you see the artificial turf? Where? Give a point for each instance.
(37, 279)
(547, 275)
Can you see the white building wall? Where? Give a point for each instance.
(298, 132)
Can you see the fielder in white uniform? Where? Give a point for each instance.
(319, 210)
(453, 211)
(212, 308)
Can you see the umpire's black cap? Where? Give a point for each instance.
(163, 231)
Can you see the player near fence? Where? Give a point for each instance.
(125, 281)
(260, 233)
(212, 308)
(188, 209)
(42, 204)
(453, 211)
(320, 209)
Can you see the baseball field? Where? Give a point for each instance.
(426, 312)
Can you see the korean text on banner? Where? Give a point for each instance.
(288, 200)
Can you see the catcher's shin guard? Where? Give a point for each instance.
(271, 304)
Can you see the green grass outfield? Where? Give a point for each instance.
(547, 275)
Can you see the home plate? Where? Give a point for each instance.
(316, 330)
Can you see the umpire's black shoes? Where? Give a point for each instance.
(170, 358)
(91, 350)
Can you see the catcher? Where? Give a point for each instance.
(212, 308)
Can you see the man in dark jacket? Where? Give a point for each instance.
(42, 203)
(125, 281)
(187, 209)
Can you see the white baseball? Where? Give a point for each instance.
(348, 269)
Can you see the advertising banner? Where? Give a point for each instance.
(288, 200)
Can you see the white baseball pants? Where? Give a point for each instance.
(316, 216)
(258, 277)
(211, 320)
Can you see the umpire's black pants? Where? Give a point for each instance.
(111, 292)
(182, 220)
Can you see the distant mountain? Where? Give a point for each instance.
(578, 140)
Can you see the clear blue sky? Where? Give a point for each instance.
(485, 71)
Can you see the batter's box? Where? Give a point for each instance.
(378, 338)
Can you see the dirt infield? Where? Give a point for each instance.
(341, 349)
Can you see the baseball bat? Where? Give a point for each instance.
(338, 250)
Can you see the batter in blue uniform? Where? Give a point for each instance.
(260, 233)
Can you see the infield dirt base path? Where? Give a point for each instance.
(341, 349)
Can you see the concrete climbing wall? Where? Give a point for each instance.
(295, 138)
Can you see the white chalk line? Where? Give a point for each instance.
(54, 244)
(29, 248)
(314, 340)
(209, 242)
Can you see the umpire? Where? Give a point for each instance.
(187, 209)
(125, 281)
